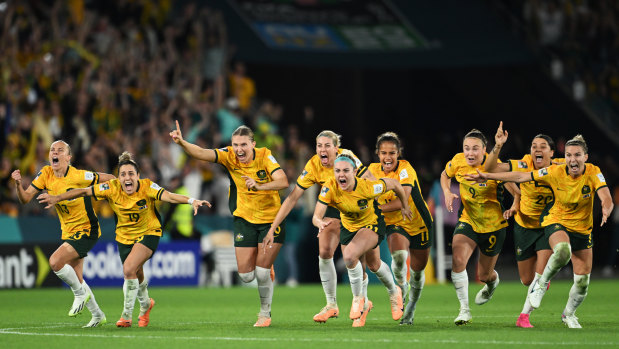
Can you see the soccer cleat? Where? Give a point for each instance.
(96, 321)
(536, 295)
(263, 321)
(396, 304)
(523, 321)
(360, 322)
(406, 288)
(409, 314)
(329, 311)
(144, 319)
(357, 307)
(79, 302)
(123, 323)
(485, 294)
(464, 317)
(570, 320)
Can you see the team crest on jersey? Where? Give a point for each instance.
(141, 204)
(262, 174)
(542, 172)
(239, 237)
(323, 191)
(403, 174)
(104, 186)
(586, 189)
(518, 251)
(363, 204)
(522, 164)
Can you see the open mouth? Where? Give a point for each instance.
(574, 167)
(342, 181)
(539, 159)
(324, 158)
(240, 155)
(128, 185)
(55, 160)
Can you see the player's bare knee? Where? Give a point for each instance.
(56, 263)
(325, 252)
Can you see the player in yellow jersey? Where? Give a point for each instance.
(318, 170)
(481, 223)
(78, 221)
(532, 248)
(363, 229)
(402, 235)
(568, 221)
(138, 227)
(254, 200)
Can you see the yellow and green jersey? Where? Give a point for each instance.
(75, 215)
(480, 207)
(255, 206)
(573, 203)
(314, 172)
(357, 206)
(534, 197)
(406, 175)
(135, 214)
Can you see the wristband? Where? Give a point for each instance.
(190, 201)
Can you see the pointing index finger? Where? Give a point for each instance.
(178, 128)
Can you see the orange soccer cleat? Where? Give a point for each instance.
(329, 311)
(360, 322)
(144, 319)
(123, 323)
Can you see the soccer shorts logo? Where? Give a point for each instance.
(239, 237)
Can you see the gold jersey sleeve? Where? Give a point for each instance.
(534, 196)
(76, 215)
(356, 207)
(314, 172)
(480, 207)
(573, 197)
(136, 214)
(407, 176)
(255, 206)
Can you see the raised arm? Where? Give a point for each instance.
(182, 199)
(191, 149)
(449, 196)
(283, 212)
(51, 200)
(104, 177)
(492, 163)
(392, 184)
(24, 195)
(279, 182)
(607, 203)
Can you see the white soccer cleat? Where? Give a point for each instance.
(79, 303)
(570, 320)
(485, 294)
(536, 295)
(464, 317)
(409, 314)
(96, 321)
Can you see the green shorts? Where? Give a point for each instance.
(83, 241)
(528, 241)
(150, 241)
(248, 234)
(346, 235)
(490, 244)
(421, 241)
(577, 241)
(332, 212)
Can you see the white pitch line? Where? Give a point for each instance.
(352, 340)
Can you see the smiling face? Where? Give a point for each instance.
(344, 175)
(243, 148)
(388, 155)
(59, 156)
(575, 158)
(128, 177)
(541, 153)
(326, 150)
(474, 151)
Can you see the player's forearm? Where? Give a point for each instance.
(22, 195)
(104, 177)
(445, 183)
(492, 159)
(74, 194)
(284, 210)
(516, 177)
(277, 184)
(174, 198)
(198, 152)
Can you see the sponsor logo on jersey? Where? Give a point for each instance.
(272, 158)
(303, 174)
(104, 186)
(522, 164)
(155, 186)
(89, 176)
(38, 174)
(378, 188)
(403, 174)
(323, 191)
(542, 172)
(601, 178)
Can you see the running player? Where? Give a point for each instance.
(78, 221)
(138, 227)
(363, 229)
(318, 170)
(402, 235)
(532, 248)
(481, 224)
(568, 221)
(254, 201)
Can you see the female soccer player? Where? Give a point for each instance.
(318, 170)
(78, 221)
(532, 248)
(138, 227)
(363, 228)
(256, 178)
(482, 223)
(569, 221)
(402, 235)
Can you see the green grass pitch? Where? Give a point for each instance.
(223, 318)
